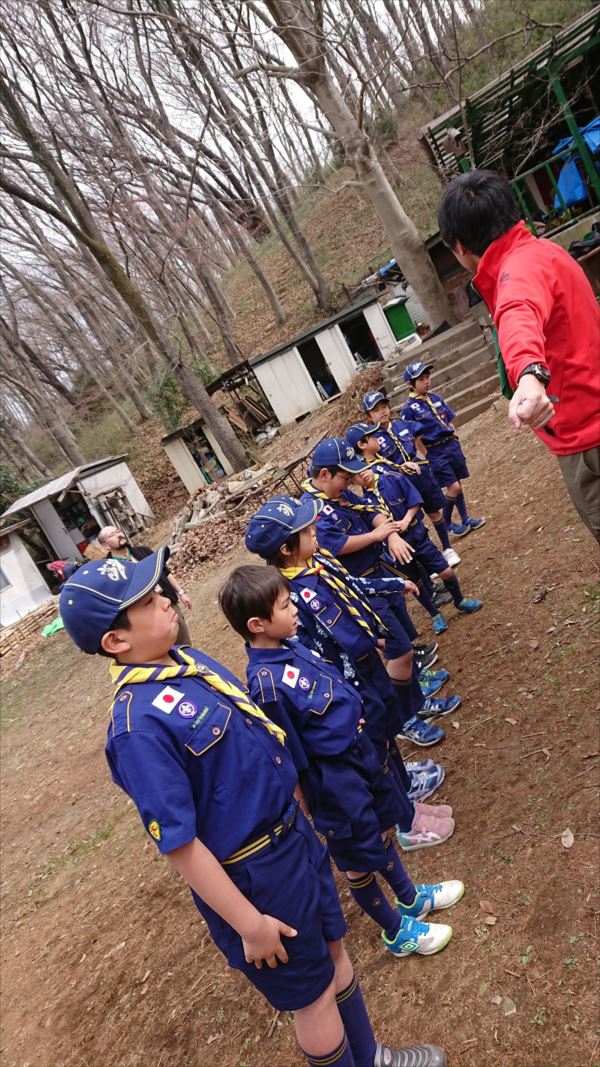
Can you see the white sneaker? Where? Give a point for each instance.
(452, 558)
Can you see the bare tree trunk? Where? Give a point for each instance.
(298, 33)
(37, 464)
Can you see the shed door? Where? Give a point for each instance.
(287, 385)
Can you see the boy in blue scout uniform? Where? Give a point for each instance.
(444, 453)
(398, 496)
(353, 801)
(354, 531)
(338, 622)
(215, 787)
(397, 445)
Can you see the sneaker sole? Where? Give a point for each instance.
(441, 715)
(425, 844)
(459, 535)
(479, 525)
(421, 744)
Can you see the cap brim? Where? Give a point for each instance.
(352, 466)
(374, 403)
(145, 578)
(307, 513)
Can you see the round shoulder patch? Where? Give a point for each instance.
(154, 830)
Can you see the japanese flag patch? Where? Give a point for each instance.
(167, 699)
(290, 676)
(307, 595)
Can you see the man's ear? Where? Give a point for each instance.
(115, 642)
(255, 625)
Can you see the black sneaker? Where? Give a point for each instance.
(425, 655)
(442, 597)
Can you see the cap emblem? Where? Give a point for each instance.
(285, 509)
(114, 570)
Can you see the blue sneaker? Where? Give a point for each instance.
(430, 686)
(423, 783)
(436, 708)
(459, 529)
(421, 733)
(439, 623)
(468, 605)
(474, 524)
(425, 939)
(432, 898)
(441, 675)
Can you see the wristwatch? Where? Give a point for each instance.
(539, 371)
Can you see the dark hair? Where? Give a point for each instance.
(291, 543)
(250, 591)
(475, 209)
(120, 622)
(316, 469)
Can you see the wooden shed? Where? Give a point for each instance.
(317, 365)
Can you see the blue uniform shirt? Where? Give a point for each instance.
(299, 689)
(432, 426)
(399, 491)
(194, 764)
(405, 432)
(335, 524)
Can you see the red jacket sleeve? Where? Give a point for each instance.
(524, 302)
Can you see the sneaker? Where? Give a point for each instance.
(432, 898)
(474, 524)
(423, 658)
(452, 558)
(439, 623)
(430, 686)
(432, 811)
(424, 783)
(420, 733)
(442, 597)
(418, 765)
(441, 675)
(424, 820)
(436, 708)
(458, 529)
(415, 1056)
(468, 605)
(425, 939)
(425, 833)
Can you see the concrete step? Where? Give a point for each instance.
(455, 383)
(459, 400)
(477, 407)
(451, 339)
(393, 377)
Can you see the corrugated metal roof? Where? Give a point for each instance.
(60, 484)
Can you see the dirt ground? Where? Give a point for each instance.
(105, 962)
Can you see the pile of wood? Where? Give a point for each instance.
(27, 630)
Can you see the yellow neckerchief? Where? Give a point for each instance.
(358, 608)
(397, 442)
(310, 488)
(126, 676)
(417, 396)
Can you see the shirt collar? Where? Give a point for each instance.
(486, 280)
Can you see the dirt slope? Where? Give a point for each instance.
(104, 960)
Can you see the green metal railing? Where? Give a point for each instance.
(546, 168)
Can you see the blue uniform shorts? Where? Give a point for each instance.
(426, 553)
(428, 486)
(447, 461)
(352, 800)
(290, 879)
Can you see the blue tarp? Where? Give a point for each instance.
(590, 134)
(570, 182)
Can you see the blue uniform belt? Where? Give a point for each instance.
(441, 440)
(270, 837)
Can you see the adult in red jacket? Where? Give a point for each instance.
(548, 325)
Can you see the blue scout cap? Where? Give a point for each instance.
(360, 430)
(415, 370)
(276, 520)
(91, 600)
(335, 452)
(371, 399)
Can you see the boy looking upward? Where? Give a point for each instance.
(438, 436)
(354, 803)
(214, 784)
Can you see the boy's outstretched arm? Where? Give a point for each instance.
(260, 934)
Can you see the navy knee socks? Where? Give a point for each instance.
(357, 1024)
(442, 531)
(338, 1057)
(369, 896)
(462, 506)
(396, 876)
(453, 587)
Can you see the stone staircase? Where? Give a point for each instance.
(464, 370)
